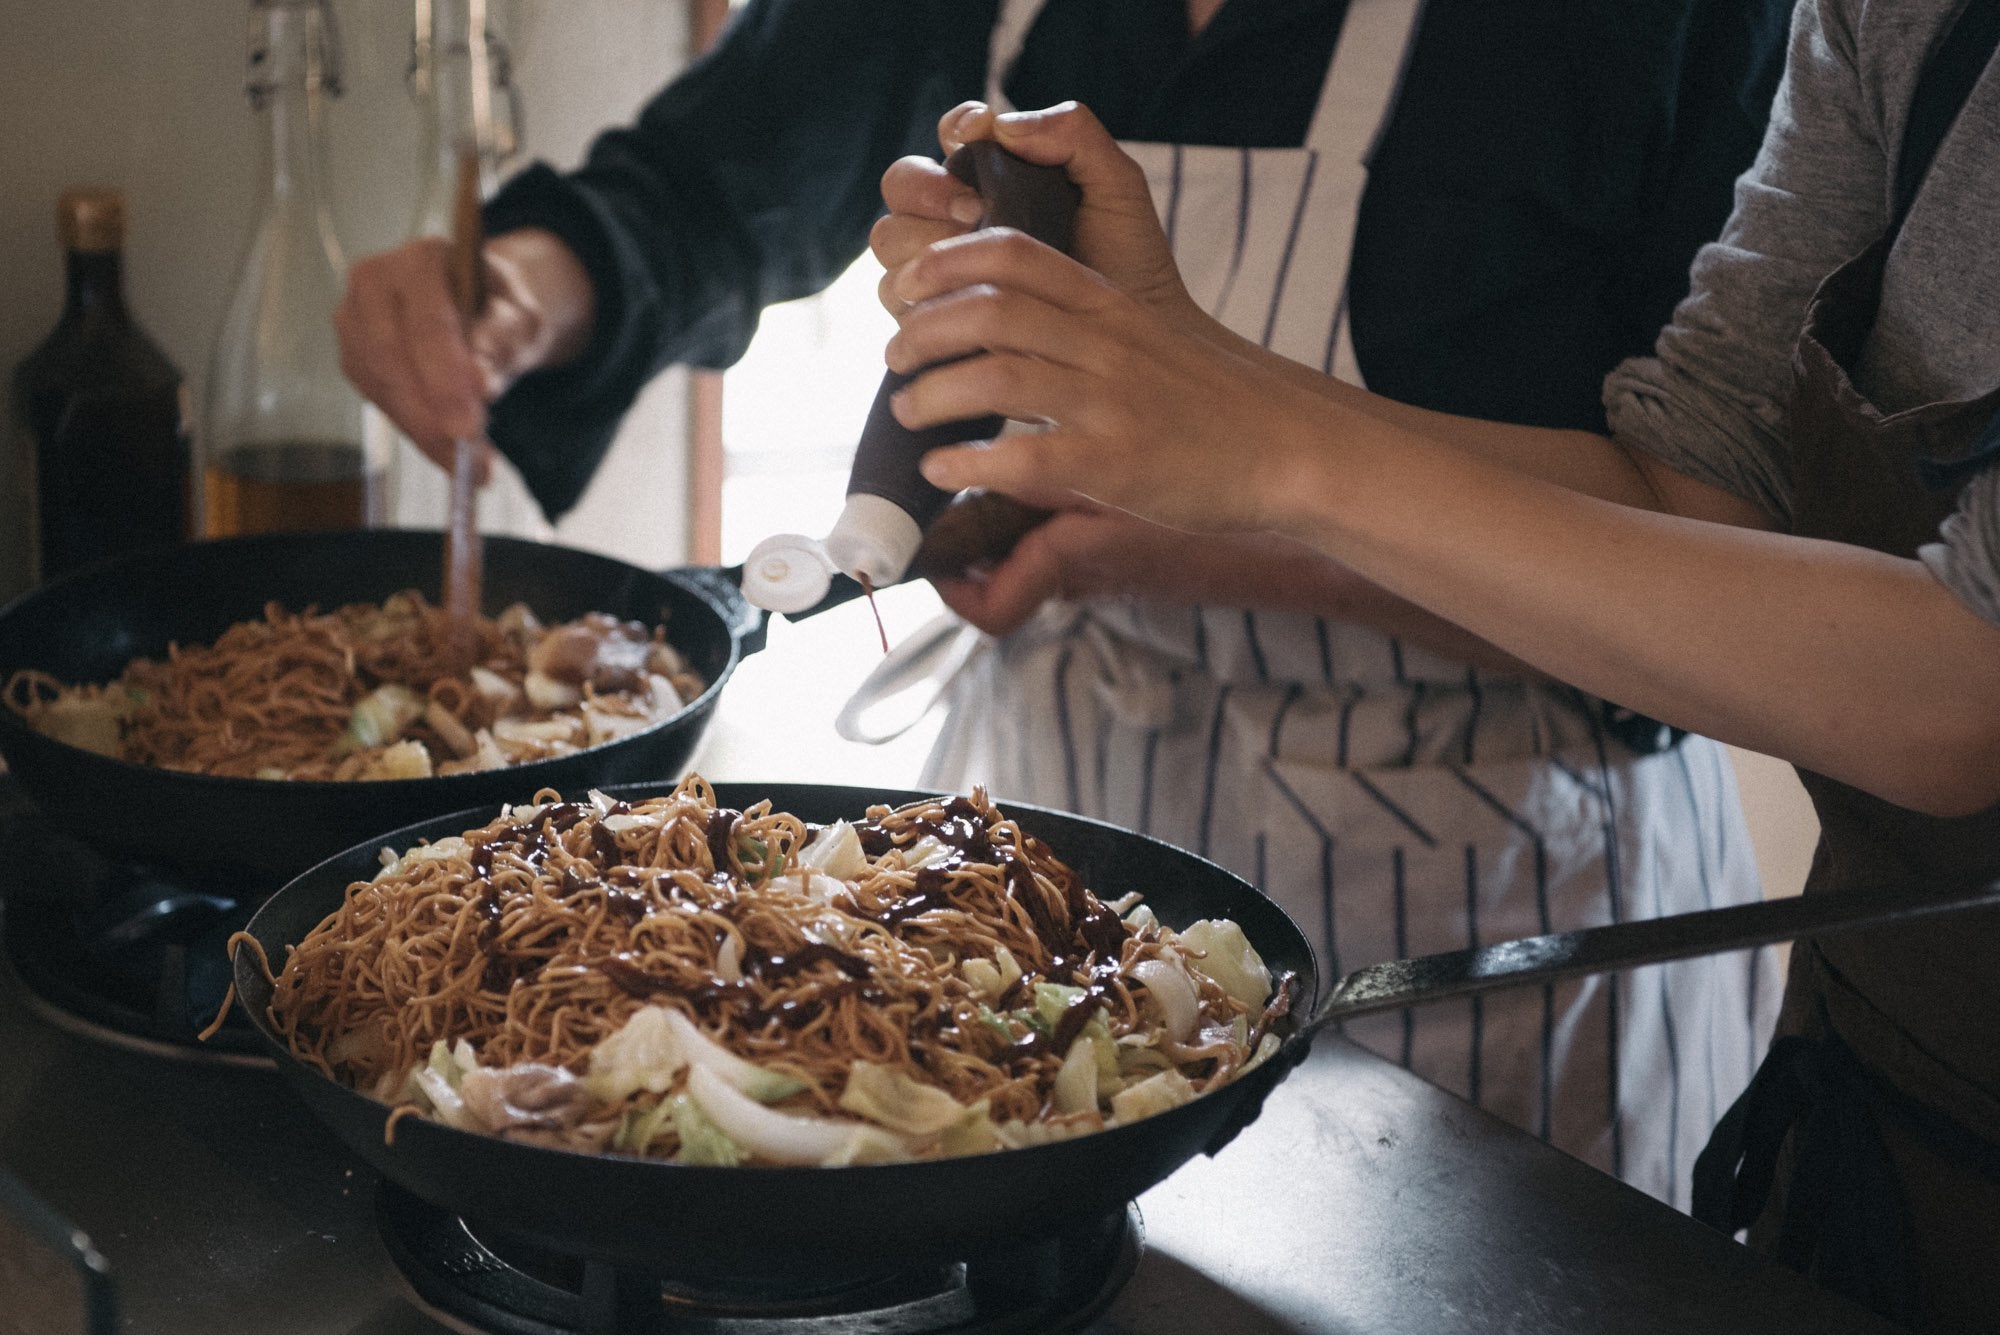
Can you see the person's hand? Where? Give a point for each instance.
(404, 348)
(1087, 552)
(1117, 230)
(1143, 415)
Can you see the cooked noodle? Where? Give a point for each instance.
(476, 979)
(370, 691)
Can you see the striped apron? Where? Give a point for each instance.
(1393, 801)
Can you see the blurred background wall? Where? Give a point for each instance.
(147, 96)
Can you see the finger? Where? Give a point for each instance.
(441, 362)
(897, 238)
(921, 188)
(1015, 589)
(1026, 389)
(502, 341)
(365, 326)
(1003, 256)
(1013, 464)
(988, 319)
(1069, 135)
(964, 123)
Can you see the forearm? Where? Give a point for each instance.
(1268, 572)
(1851, 663)
(1580, 460)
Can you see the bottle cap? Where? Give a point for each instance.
(874, 537)
(92, 221)
(786, 572)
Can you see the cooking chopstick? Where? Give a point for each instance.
(463, 558)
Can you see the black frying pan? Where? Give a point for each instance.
(255, 833)
(751, 1221)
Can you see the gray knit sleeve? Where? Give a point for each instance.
(1966, 557)
(1712, 400)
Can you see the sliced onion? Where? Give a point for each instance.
(1167, 983)
(783, 1138)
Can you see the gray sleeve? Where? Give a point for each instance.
(1712, 402)
(1966, 557)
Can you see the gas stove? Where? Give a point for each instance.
(124, 954)
(1361, 1200)
(474, 1280)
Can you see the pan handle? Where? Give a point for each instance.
(1547, 959)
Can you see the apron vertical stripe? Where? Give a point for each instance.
(1472, 719)
(1256, 649)
(1171, 222)
(1325, 650)
(1612, 892)
(1346, 722)
(1412, 728)
(1546, 924)
(1291, 245)
(1472, 1071)
(1329, 938)
(1401, 909)
(1064, 730)
(1242, 234)
(1214, 765)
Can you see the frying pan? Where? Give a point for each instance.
(743, 1222)
(255, 833)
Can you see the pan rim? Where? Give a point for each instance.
(18, 726)
(1270, 1072)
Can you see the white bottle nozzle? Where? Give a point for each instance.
(874, 537)
(787, 572)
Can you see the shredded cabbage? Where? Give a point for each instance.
(1228, 957)
(784, 1138)
(893, 1099)
(837, 852)
(702, 1141)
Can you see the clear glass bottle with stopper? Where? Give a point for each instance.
(282, 442)
(461, 78)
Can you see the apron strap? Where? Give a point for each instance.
(1942, 88)
(1947, 80)
(1844, 1223)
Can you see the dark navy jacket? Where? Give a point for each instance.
(1544, 180)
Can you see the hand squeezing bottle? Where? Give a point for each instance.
(896, 524)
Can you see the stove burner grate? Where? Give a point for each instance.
(491, 1284)
(121, 954)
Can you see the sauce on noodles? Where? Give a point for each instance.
(675, 979)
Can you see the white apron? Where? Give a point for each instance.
(1394, 802)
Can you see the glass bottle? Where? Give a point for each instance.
(105, 411)
(282, 441)
(461, 79)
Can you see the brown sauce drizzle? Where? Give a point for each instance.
(868, 589)
(721, 824)
(606, 844)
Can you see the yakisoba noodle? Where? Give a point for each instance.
(390, 691)
(674, 979)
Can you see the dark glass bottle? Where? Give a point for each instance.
(105, 410)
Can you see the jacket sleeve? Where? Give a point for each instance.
(751, 179)
(1711, 401)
